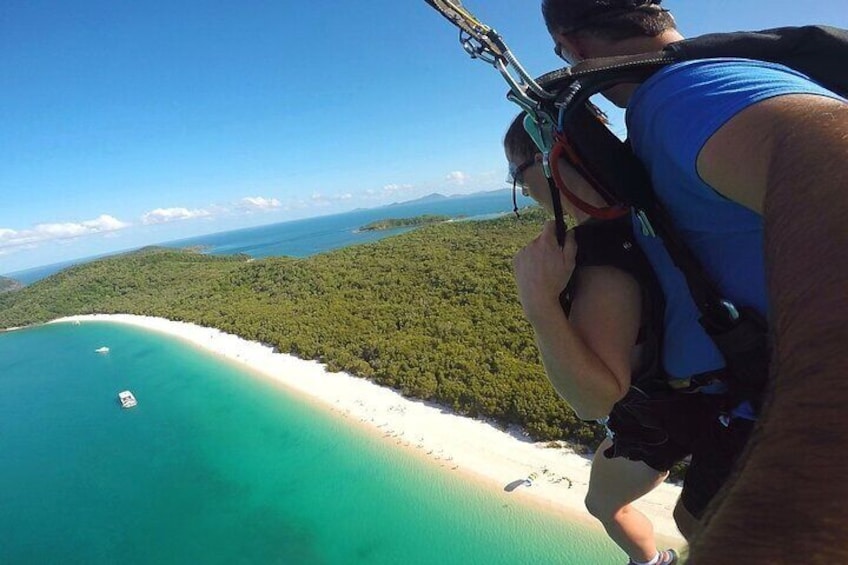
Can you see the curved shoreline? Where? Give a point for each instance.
(478, 449)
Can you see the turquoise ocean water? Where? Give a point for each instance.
(217, 465)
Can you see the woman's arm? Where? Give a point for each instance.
(587, 358)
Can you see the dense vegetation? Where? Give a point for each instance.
(7, 284)
(432, 313)
(393, 223)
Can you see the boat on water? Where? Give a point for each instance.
(104, 350)
(127, 399)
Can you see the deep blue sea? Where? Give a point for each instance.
(301, 238)
(216, 465)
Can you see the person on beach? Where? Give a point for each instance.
(749, 156)
(605, 341)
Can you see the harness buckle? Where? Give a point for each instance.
(697, 383)
(732, 312)
(645, 223)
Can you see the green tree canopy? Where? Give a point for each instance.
(432, 313)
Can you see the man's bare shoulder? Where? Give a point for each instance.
(737, 158)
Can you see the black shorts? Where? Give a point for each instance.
(679, 426)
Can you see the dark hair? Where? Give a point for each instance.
(609, 19)
(517, 142)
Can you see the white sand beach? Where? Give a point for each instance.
(476, 448)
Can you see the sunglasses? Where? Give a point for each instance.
(516, 177)
(561, 54)
(516, 174)
(602, 14)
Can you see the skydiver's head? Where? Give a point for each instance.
(527, 173)
(586, 29)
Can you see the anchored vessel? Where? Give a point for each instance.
(127, 399)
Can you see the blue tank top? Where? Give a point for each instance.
(669, 119)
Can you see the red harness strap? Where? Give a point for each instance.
(562, 148)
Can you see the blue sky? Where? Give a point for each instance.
(131, 123)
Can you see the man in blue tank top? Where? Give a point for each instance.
(751, 161)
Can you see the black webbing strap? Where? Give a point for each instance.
(718, 315)
(612, 162)
(559, 216)
(741, 335)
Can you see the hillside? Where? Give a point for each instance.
(8, 285)
(432, 313)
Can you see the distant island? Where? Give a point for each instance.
(432, 197)
(8, 285)
(437, 196)
(394, 223)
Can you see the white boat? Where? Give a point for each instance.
(104, 350)
(127, 399)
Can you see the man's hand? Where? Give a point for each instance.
(543, 269)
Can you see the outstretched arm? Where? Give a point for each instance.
(587, 358)
(788, 158)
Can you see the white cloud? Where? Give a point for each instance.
(106, 223)
(164, 215)
(396, 188)
(16, 240)
(260, 203)
(319, 199)
(394, 191)
(457, 177)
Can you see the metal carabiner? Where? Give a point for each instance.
(645, 224)
(475, 48)
(731, 309)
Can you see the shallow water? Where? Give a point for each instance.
(216, 465)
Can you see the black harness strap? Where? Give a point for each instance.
(741, 335)
(559, 216)
(818, 51)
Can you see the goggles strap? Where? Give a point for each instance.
(514, 200)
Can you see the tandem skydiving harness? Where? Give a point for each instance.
(561, 123)
(484, 43)
(819, 52)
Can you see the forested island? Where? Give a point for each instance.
(432, 313)
(393, 223)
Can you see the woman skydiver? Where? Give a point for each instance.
(599, 316)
